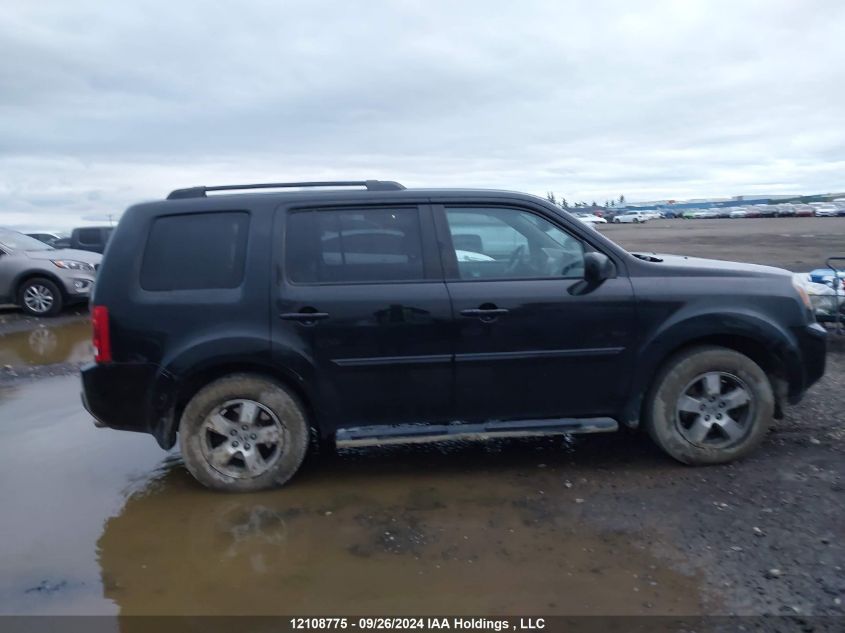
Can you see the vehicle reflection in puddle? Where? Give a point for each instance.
(46, 345)
(104, 522)
(361, 537)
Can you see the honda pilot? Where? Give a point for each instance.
(252, 326)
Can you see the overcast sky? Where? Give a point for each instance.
(103, 104)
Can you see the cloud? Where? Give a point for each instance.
(103, 105)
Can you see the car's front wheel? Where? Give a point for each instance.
(709, 405)
(243, 433)
(40, 297)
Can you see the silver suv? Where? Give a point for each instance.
(41, 279)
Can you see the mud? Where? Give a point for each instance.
(96, 521)
(110, 523)
(105, 522)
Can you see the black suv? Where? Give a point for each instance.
(367, 313)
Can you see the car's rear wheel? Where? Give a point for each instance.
(709, 405)
(40, 297)
(243, 433)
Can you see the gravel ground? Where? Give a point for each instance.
(598, 524)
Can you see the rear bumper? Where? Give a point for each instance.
(127, 396)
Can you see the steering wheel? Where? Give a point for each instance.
(571, 266)
(515, 259)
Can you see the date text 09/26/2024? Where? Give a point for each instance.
(410, 623)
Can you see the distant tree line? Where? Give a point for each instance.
(563, 203)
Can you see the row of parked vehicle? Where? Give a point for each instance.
(783, 210)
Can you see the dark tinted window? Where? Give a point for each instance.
(197, 251)
(89, 236)
(354, 245)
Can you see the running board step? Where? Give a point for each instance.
(383, 435)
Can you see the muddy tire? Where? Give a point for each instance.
(40, 297)
(709, 405)
(243, 433)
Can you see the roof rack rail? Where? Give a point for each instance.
(371, 185)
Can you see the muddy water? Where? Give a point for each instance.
(46, 345)
(97, 521)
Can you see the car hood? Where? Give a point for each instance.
(66, 253)
(701, 267)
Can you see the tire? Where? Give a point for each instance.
(40, 297)
(636, 220)
(227, 457)
(739, 429)
(617, 221)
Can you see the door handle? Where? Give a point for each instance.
(306, 318)
(485, 314)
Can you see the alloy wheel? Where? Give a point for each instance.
(715, 410)
(242, 439)
(38, 298)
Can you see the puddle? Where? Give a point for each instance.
(408, 543)
(46, 345)
(99, 521)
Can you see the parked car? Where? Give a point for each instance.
(704, 214)
(784, 211)
(636, 217)
(42, 279)
(652, 215)
(242, 324)
(48, 238)
(87, 238)
(738, 212)
(752, 211)
(689, 214)
(804, 210)
(827, 211)
(589, 218)
(765, 210)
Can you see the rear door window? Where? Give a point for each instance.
(354, 246)
(196, 251)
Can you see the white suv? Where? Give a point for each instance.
(631, 216)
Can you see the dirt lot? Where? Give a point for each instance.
(797, 244)
(98, 521)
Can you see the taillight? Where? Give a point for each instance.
(101, 338)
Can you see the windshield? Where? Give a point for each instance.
(15, 241)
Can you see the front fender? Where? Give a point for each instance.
(683, 330)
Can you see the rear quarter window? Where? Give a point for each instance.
(196, 251)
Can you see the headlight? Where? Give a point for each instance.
(70, 264)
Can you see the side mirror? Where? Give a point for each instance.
(597, 268)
